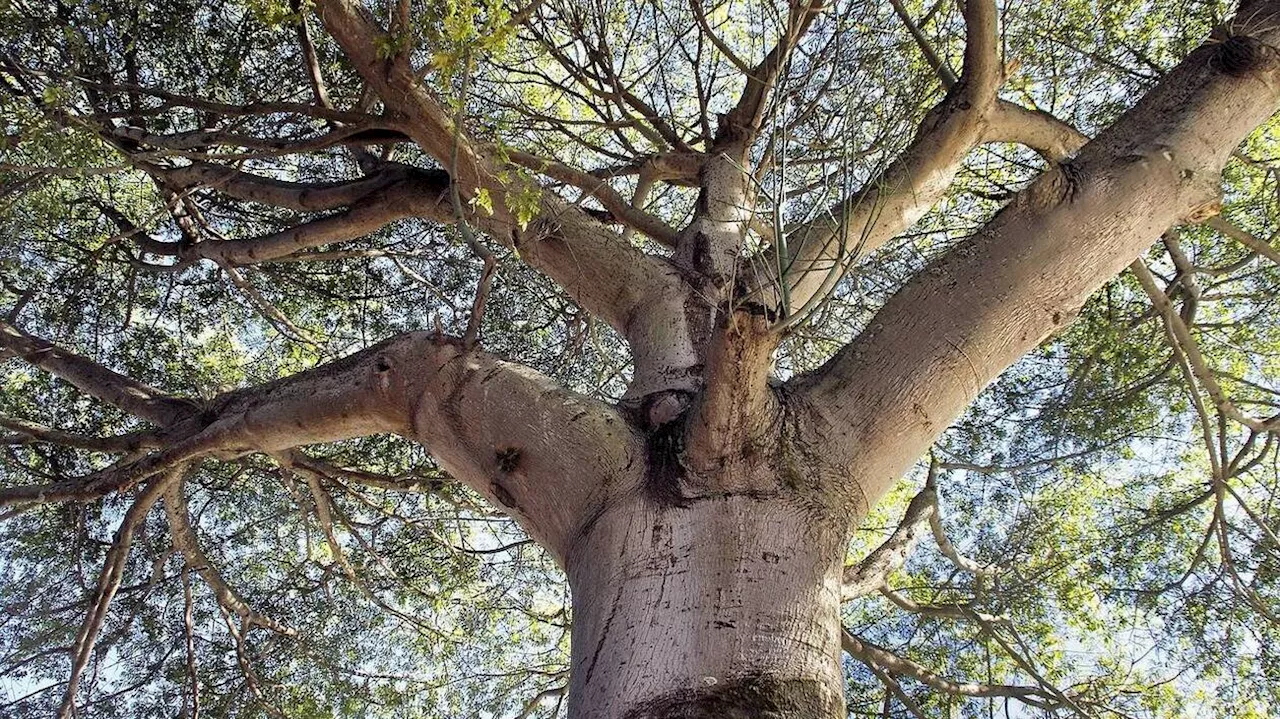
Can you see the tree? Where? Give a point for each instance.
(684, 292)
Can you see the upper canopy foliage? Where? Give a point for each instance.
(1106, 512)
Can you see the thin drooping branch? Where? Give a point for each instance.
(325, 510)
(108, 583)
(896, 690)
(1248, 239)
(251, 680)
(265, 308)
(1026, 273)
(872, 654)
(1184, 343)
(188, 623)
(187, 542)
(619, 208)
(411, 482)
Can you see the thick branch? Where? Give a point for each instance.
(300, 196)
(816, 254)
(544, 454)
(608, 277)
(741, 125)
(989, 301)
(425, 197)
(92, 378)
(362, 394)
(1041, 131)
(36, 432)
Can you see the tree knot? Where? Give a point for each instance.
(1241, 55)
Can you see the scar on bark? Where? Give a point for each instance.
(1059, 185)
(504, 497)
(508, 459)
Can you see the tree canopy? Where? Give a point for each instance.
(200, 199)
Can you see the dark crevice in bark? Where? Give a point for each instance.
(756, 697)
(604, 635)
(1239, 55)
(662, 418)
(665, 472)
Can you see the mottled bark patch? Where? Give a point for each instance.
(758, 697)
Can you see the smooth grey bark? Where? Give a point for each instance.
(726, 606)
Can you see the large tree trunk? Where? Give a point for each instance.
(718, 606)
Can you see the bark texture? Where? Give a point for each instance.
(728, 606)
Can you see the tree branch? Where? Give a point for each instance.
(739, 127)
(871, 573)
(300, 196)
(625, 212)
(875, 655)
(1025, 274)
(1185, 344)
(36, 432)
(187, 542)
(93, 379)
(820, 251)
(108, 583)
(608, 277)
(542, 453)
(1054, 139)
(547, 469)
(1248, 239)
(365, 393)
(426, 199)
